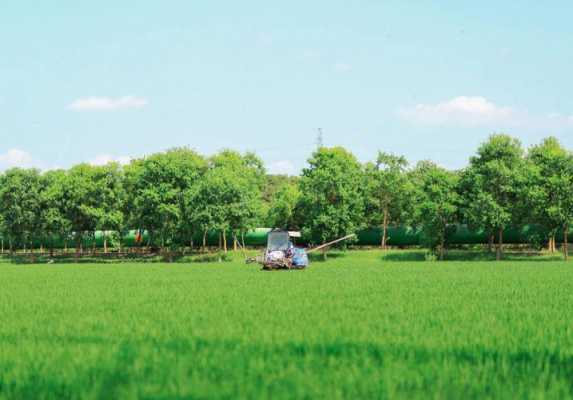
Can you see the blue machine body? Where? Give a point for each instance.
(300, 258)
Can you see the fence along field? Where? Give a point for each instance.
(355, 326)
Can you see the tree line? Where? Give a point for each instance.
(179, 194)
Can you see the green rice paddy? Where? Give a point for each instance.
(356, 326)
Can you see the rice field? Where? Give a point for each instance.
(357, 326)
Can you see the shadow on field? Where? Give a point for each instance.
(319, 257)
(206, 362)
(465, 255)
(379, 352)
(115, 259)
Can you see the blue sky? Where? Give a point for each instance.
(93, 81)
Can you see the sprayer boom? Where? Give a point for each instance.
(322, 246)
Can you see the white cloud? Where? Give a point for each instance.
(468, 111)
(108, 103)
(283, 167)
(463, 110)
(15, 158)
(342, 67)
(103, 159)
(19, 158)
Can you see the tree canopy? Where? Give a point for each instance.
(492, 186)
(332, 195)
(179, 195)
(551, 198)
(388, 192)
(437, 203)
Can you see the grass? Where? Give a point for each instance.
(355, 326)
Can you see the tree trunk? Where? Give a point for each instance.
(220, 246)
(204, 240)
(243, 245)
(551, 246)
(104, 243)
(225, 241)
(324, 256)
(491, 242)
(499, 245)
(442, 246)
(32, 252)
(566, 243)
(384, 229)
(2, 247)
(234, 242)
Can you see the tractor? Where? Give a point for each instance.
(281, 253)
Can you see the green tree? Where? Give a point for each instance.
(273, 184)
(2, 233)
(388, 192)
(436, 204)
(493, 187)
(156, 187)
(283, 208)
(111, 197)
(55, 222)
(244, 211)
(228, 198)
(552, 188)
(332, 189)
(79, 202)
(21, 209)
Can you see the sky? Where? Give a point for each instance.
(107, 80)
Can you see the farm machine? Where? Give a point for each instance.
(282, 254)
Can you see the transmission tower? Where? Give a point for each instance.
(319, 139)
